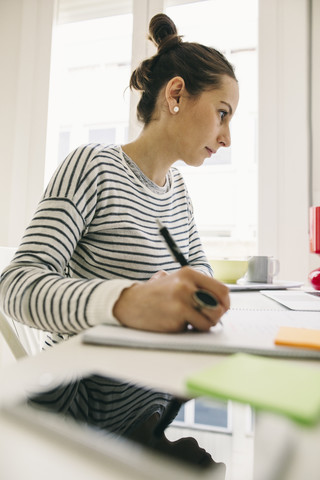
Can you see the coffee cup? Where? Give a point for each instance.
(262, 269)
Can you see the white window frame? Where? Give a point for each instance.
(190, 423)
(283, 178)
(143, 11)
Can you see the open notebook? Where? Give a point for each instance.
(242, 331)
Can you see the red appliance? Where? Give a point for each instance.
(314, 237)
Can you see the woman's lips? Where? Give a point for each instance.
(211, 152)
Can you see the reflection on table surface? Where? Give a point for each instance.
(118, 410)
(220, 440)
(251, 445)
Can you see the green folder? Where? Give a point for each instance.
(265, 383)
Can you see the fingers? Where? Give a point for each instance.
(213, 286)
(166, 303)
(157, 275)
(206, 318)
(187, 283)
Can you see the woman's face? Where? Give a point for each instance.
(201, 126)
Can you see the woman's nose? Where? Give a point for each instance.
(224, 138)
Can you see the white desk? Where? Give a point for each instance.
(38, 453)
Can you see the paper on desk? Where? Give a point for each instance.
(265, 383)
(298, 337)
(295, 300)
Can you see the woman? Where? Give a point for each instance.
(93, 253)
(93, 242)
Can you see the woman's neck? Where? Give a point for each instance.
(150, 152)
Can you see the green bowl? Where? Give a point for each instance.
(229, 270)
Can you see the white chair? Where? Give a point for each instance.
(21, 339)
(11, 337)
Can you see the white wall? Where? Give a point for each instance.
(283, 134)
(315, 259)
(25, 45)
(316, 100)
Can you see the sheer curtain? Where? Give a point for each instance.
(25, 52)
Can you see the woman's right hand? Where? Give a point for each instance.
(166, 304)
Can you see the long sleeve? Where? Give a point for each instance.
(34, 288)
(94, 233)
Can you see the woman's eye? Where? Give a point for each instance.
(222, 114)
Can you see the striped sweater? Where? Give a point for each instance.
(94, 233)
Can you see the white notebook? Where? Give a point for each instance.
(241, 285)
(242, 331)
(295, 300)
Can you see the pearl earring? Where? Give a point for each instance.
(176, 109)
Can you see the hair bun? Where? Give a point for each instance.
(163, 32)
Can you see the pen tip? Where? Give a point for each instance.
(159, 223)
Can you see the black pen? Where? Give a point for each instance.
(173, 247)
(203, 298)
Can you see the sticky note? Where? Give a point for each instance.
(298, 337)
(269, 384)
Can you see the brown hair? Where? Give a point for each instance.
(201, 67)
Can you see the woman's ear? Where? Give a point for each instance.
(173, 93)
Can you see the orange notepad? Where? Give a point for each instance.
(298, 337)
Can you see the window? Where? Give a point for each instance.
(224, 429)
(224, 189)
(202, 414)
(89, 99)
(90, 102)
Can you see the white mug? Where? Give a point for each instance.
(262, 269)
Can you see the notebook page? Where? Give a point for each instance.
(244, 331)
